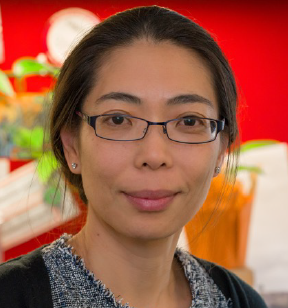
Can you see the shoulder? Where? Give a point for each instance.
(241, 294)
(24, 281)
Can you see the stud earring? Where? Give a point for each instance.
(74, 165)
(217, 170)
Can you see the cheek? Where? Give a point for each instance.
(102, 163)
(198, 162)
(197, 170)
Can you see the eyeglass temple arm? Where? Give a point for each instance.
(220, 125)
(90, 120)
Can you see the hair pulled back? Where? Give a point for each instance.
(157, 24)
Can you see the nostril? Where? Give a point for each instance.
(146, 164)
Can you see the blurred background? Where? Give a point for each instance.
(35, 37)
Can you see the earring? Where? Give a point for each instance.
(74, 165)
(217, 170)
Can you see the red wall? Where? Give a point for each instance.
(253, 34)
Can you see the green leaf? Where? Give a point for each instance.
(21, 137)
(250, 169)
(37, 136)
(253, 144)
(5, 85)
(29, 140)
(52, 196)
(25, 67)
(46, 166)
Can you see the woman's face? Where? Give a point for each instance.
(149, 188)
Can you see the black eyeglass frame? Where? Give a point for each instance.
(91, 120)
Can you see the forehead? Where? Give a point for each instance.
(154, 72)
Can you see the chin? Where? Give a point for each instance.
(151, 232)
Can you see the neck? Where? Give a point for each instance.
(143, 273)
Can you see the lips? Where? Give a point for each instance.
(151, 194)
(151, 200)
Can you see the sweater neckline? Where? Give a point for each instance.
(62, 244)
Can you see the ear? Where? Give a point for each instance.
(222, 151)
(71, 149)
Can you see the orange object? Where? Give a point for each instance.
(219, 233)
(245, 274)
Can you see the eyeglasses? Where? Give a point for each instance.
(122, 127)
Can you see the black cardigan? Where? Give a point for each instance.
(24, 282)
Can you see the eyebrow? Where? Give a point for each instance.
(177, 100)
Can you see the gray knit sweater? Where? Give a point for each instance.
(62, 281)
(73, 285)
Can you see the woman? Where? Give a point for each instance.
(144, 111)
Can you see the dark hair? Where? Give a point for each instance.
(79, 72)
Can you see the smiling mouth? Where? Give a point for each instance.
(149, 200)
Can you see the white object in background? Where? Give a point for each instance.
(66, 28)
(4, 167)
(267, 251)
(24, 213)
(183, 241)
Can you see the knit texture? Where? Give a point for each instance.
(73, 285)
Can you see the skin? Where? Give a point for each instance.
(132, 251)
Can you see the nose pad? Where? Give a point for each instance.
(164, 130)
(163, 127)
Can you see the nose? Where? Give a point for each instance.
(154, 151)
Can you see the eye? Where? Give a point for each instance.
(189, 121)
(117, 120)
